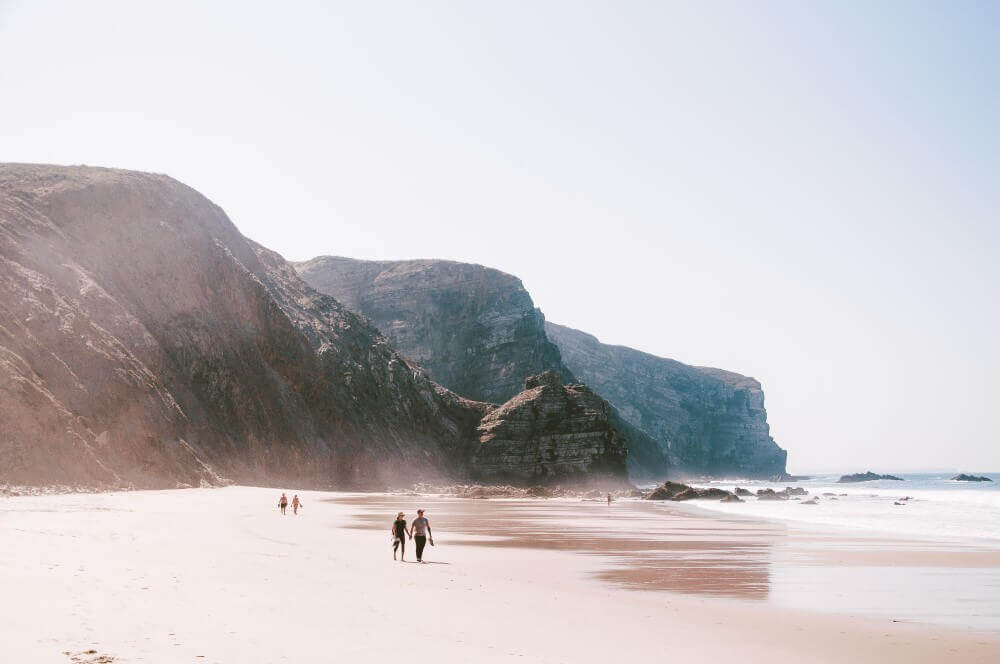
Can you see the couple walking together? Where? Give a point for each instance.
(420, 531)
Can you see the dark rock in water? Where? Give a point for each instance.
(677, 491)
(898, 503)
(866, 477)
(713, 492)
(962, 477)
(539, 492)
(667, 490)
(692, 493)
(550, 432)
(784, 494)
(743, 492)
(811, 501)
(731, 498)
(147, 343)
(687, 494)
(828, 493)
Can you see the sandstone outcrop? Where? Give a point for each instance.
(962, 477)
(866, 477)
(549, 433)
(707, 421)
(145, 342)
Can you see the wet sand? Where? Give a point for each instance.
(679, 548)
(220, 576)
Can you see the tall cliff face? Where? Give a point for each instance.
(709, 421)
(550, 432)
(144, 341)
(473, 329)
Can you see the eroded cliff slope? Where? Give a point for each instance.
(144, 341)
(708, 421)
(475, 330)
(550, 432)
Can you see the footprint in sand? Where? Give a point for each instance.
(89, 657)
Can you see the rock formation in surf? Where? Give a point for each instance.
(708, 421)
(144, 341)
(866, 477)
(550, 432)
(962, 477)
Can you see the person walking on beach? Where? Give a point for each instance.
(609, 499)
(421, 531)
(399, 533)
(283, 503)
(296, 504)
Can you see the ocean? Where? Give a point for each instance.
(938, 508)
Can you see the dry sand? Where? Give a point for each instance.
(221, 576)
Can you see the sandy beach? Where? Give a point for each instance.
(219, 575)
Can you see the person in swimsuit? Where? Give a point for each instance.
(421, 531)
(399, 533)
(283, 503)
(296, 504)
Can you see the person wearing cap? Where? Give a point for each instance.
(399, 533)
(421, 531)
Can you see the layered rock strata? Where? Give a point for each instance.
(145, 342)
(475, 330)
(548, 433)
(707, 421)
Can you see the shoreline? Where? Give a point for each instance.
(218, 575)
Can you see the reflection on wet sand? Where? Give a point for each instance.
(645, 546)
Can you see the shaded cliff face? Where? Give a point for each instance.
(473, 329)
(144, 341)
(550, 432)
(709, 421)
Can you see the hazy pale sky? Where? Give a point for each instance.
(808, 193)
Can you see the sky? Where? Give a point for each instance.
(803, 192)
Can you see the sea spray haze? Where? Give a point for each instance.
(145, 342)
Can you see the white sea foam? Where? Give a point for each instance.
(938, 507)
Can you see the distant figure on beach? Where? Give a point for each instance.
(399, 533)
(421, 531)
(296, 504)
(609, 499)
(283, 503)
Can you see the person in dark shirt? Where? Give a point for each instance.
(399, 534)
(421, 533)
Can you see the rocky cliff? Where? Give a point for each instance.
(708, 421)
(550, 432)
(144, 341)
(473, 329)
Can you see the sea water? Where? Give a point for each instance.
(937, 506)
